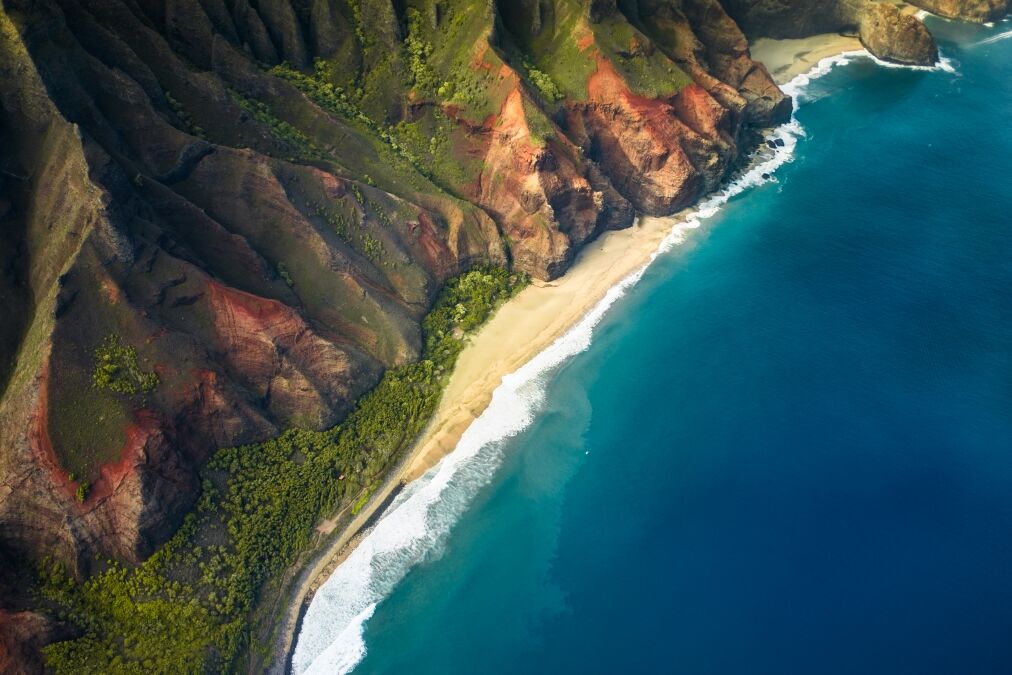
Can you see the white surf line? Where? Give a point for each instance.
(994, 38)
(420, 518)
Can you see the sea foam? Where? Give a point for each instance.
(420, 518)
(996, 38)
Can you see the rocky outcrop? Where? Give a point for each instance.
(701, 38)
(661, 142)
(793, 18)
(660, 154)
(894, 35)
(888, 30)
(979, 11)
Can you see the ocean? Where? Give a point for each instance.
(784, 447)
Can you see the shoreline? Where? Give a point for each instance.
(788, 58)
(521, 329)
(518, 331)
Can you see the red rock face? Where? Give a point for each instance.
(21, 635)
(267, 346)
(537, 188)
(659, 154)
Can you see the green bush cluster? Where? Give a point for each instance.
(285, 275)
(184, 117)
(116, 369)
(185, 610)
(544, 82)
(419, 50)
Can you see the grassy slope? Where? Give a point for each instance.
(188, 606)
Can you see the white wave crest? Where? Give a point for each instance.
(332, 636)
(944, 64)
(995, 38)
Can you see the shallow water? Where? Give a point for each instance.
(787, 450)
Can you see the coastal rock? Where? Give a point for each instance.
(706, 42)
(979, 11)
(892, 34)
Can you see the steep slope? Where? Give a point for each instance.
(259, 203)
(224, 219)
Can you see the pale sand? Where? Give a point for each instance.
(787, 58)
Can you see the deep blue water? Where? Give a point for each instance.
(789, 448)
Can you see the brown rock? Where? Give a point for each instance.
(893, 35)
(980, 11)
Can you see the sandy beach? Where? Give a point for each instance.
(518, 331)
(787, 58)
(527, 325)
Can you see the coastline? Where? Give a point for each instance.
(519, 330)
(523, 328)
(544, 311)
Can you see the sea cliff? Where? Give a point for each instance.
(225, 220)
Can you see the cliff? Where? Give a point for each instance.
(262, 202)
(223, 219)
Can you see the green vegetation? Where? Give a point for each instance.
(295, 140)
(648, 72)
(419, 50)
(285, 275)
(335, 100)
(82, 491)
(185, 609)
(116, 369)
(538, 123)
(184, 117)
(544, 82)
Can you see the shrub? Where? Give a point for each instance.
(116, 369)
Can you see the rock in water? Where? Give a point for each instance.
(894, 35)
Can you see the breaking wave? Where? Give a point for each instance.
(995, 38)
(420, 518)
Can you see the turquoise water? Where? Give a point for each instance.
(788, 448)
